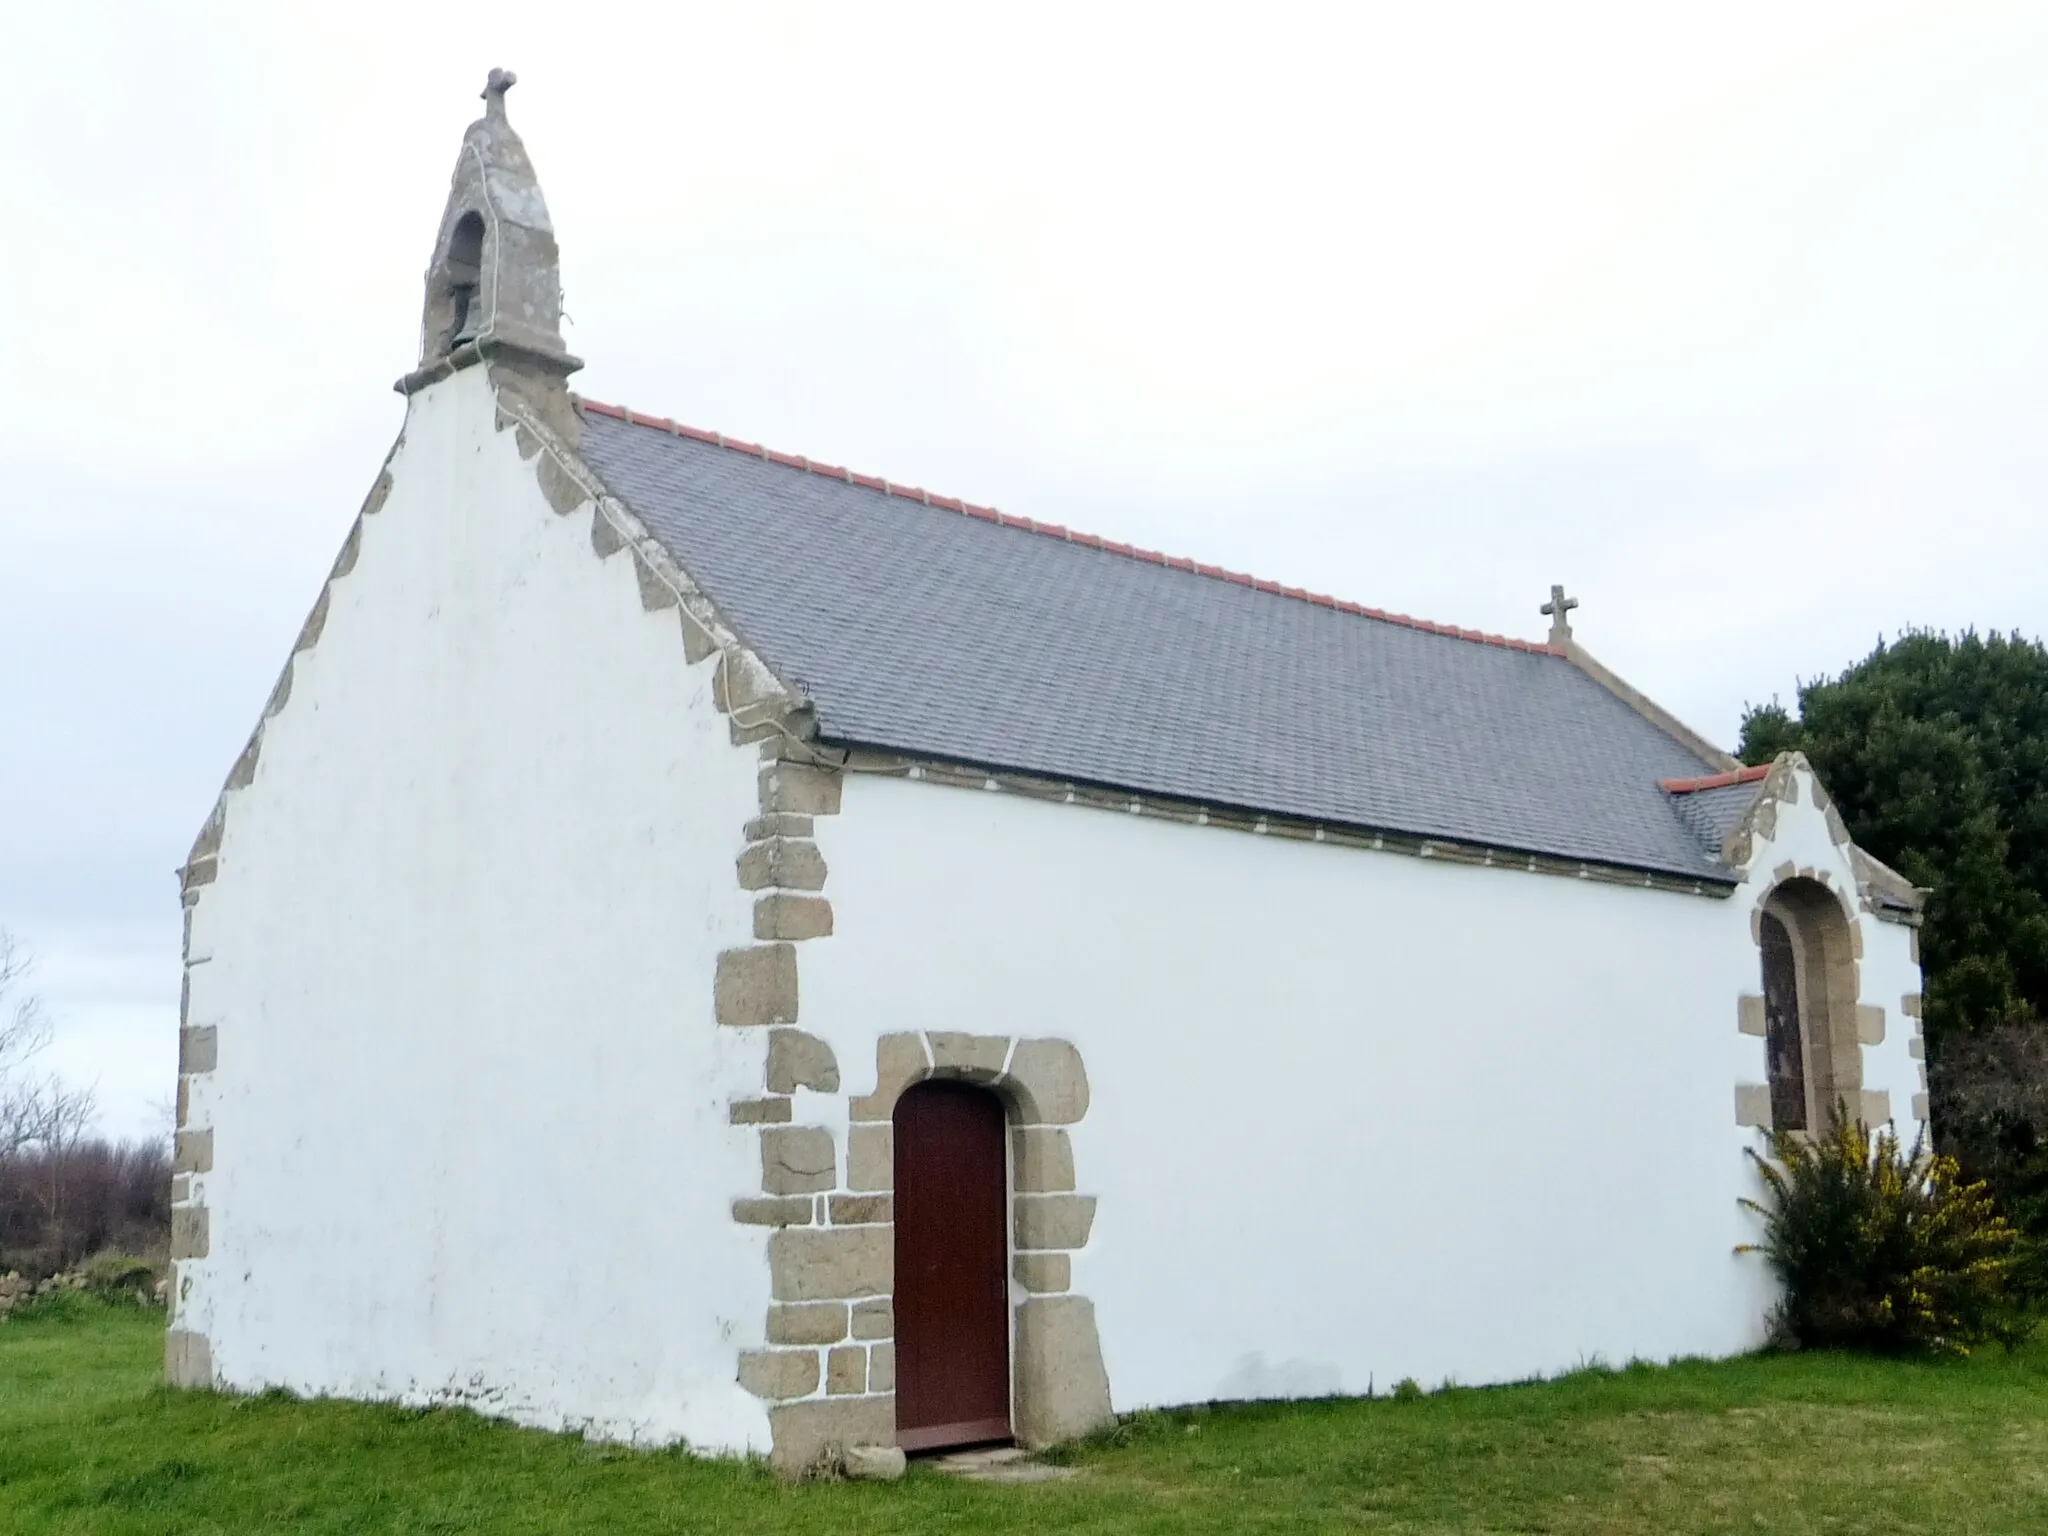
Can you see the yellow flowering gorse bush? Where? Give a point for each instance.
(1880, 1246)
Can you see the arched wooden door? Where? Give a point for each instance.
(952, 1268)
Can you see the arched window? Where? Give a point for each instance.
(1809, 985)
(1783, 1043)
(462, 271)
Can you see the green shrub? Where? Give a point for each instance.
(121, 1278)
(1883, 1248)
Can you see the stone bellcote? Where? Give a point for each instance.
(494, 287)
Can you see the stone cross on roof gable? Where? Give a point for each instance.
(1558, 611)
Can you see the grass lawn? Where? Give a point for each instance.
(90, 1443)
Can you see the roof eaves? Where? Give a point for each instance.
(877, 758)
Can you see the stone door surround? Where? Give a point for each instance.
(832, 1257)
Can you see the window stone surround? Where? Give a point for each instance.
(1824, 921)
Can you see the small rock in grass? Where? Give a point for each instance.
(874, 1463)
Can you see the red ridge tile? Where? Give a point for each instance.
(1715, 780)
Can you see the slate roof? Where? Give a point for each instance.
(1711, 807)
(927, 627)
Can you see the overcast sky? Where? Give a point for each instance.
(1734, 318)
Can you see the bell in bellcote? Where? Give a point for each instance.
(468, 313)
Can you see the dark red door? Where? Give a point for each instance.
(952, 1268)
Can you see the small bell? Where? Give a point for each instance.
(468, 314)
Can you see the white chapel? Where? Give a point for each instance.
(709, 946)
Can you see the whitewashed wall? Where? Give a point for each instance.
(1889, 974)
(470, 1109)
(1355, 1116)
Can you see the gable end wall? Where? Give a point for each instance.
(453, 1102)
